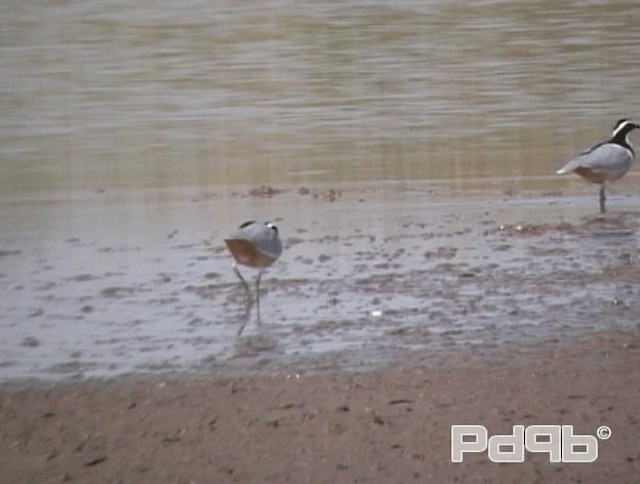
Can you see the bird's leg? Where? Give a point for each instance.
(244, 283)
(249, 298)
(246, 317)
(602, 199)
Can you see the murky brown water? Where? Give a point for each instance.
(131, 134)
(97, 95)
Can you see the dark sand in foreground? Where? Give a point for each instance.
(390, 425)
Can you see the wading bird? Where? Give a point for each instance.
(254, 244)
(605, 162)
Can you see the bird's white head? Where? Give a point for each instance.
(272, 226)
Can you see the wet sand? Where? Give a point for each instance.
(389, 425)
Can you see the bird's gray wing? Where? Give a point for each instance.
(605, 158)
(269, 243)
(264, 238)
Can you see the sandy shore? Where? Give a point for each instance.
(390, 425)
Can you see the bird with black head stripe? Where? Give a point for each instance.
(605, 162)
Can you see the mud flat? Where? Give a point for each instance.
(124, 283)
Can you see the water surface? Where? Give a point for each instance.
(103, 94)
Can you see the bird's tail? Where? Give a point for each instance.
(567, 168)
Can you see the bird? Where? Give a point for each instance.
(605, 162)
(254, 244)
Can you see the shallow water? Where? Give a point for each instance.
(134, 137)
(143, 283)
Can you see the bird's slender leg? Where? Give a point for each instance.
(246, 317)
(242, 280)
(602, 199)
(247, 291)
